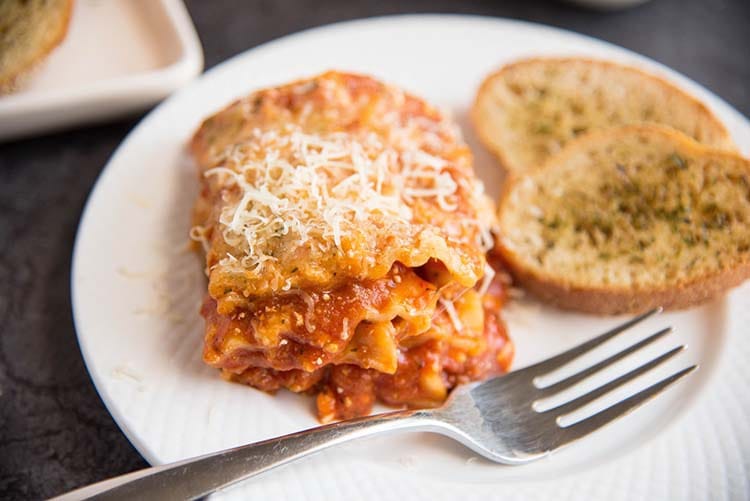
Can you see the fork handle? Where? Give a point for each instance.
(200, 476)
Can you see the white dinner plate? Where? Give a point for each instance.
(137, 289)
(118, 57)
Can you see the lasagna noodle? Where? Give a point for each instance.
(359, 323)
(429, 366)
(345, 238)
(347, 177)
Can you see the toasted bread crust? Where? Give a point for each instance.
(488, 134)
(10, 81)
(569, 293)
(602, 301)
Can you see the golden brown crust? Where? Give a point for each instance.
(613, 301)
(356, 109)
(486, 133)
(9, 82)
(564, 292)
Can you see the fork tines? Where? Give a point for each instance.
(581, 428)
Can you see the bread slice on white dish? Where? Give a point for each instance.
(29, 31)
(629, 218)
(529, 110)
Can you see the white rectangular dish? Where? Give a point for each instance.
(119, 56)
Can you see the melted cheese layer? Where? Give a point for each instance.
(337, 178)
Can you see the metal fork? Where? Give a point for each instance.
(495, 418)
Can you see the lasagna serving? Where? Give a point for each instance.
(346, 241)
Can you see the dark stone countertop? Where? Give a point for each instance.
(55, 433)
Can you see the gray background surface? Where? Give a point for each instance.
(55, 433)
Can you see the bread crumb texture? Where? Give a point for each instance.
(531, 109)
(632, 208)
(29, 30)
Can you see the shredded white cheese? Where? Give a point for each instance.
(198, 234)
(309, 310)
(292, 187)
(452, 313)
(345, 329)
(489, 274)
